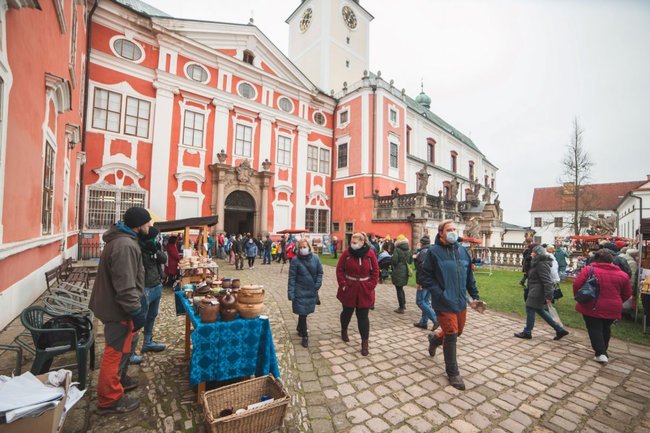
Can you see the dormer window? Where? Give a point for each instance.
(249, 57)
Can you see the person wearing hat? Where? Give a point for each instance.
(118, 301)
(400, 262)
(540, 293)
(423, 297)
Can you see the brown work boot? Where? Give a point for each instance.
(457, 382)
(123, 405)
(364, 347)
(344, 335)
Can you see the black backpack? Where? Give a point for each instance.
(82, 324)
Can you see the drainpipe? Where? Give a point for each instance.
(80, 205)
(374, 132)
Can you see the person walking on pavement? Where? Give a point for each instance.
(540, 293)
(305, 279)
(152, 259)
(357, 273)
(614, 288)
(400, 262)
(446, 272)
(335, 244)
(251, 252)
(422, 296)
(561, 255)
(118, 301)
(238, 253)
(268, 246)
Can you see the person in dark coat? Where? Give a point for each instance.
(268, 246)
(525, 263)
(540, 293)
(400, 261)
(172, 260)
(357, 273)
(615, 288)
(305, 279)
(619, 260)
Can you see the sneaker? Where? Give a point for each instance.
(523, 335)
(123, 405)
(457, 382)
(135, 359)
(400, 310)
(129, 383)
(434, 342)
(419, 325)
(601, 359)
(560, 334)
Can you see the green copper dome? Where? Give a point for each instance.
(423, 100)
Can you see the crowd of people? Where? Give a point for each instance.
(130, 277)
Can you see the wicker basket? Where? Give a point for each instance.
(264, 419)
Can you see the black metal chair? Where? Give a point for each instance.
(34, 318)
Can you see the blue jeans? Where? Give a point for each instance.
(423, 300)
(267, 256)
(530, 320)
(153, 295)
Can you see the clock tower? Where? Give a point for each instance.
(328, 41)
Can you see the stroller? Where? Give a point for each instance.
(384, 261)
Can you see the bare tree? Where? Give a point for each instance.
(576, 174)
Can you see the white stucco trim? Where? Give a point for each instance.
(365, 133)
(339, 124)
(245, 119)
(301, 175)
(220, 136)
(184, 108)
(266, 126)
(10, 249)
(345, 190)
(379, 137)
(7, 78)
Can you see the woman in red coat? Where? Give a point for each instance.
(172, 260)
(357, 273)
(599, 315)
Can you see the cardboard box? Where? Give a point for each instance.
(48, 422)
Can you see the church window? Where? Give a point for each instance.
(196, 73)
(48, 188)
(285, 104)
(127, 49)
(319, 118)
(343, 155)
(284, 150)
(249, 57)
(136, 120)
(193, 129)
(246, 90)
(243, 140)
(312, 158)
(107, 110)
(107, 204)
(394, 155)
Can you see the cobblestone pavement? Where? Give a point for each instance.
(537, 385)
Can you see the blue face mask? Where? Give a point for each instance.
(452, 237)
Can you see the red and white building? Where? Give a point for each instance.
(42, 67)
(191, 118)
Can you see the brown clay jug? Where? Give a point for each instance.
(228, 307)
(209, 310)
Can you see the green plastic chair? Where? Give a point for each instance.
(33, 318)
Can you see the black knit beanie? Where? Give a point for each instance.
(136, 216)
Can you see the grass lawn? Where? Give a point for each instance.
(502, 292)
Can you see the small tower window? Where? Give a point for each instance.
(347, 63)
(249, 57)
(347, 40)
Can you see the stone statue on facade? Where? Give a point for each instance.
(394, 192)
(422, 180)
(602, 226)
(453, 189)
(472, 228)
(244, 171)
(266, 165)
(487, 194)
(477, 188)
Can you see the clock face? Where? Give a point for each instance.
(305, 21)
(349, 17)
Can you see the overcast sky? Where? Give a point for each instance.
(511, 74)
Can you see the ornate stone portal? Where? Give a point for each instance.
(227, 179)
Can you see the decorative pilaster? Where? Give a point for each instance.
(265, 139)
(301, 173)
(220, 140)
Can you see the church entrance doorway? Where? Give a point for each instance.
(239, 213)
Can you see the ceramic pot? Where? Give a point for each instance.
(236, 283)
(251, 295)
(250, 311)
(209, 310)
(226, 283)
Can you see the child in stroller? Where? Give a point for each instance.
(384, 261)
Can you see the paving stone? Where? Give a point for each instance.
(395, 416)
(512, 426)
(563, 423)
(358, 416)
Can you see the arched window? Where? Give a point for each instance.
(431, 150)
(471, 170)
(249, 57)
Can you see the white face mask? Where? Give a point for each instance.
(452, 237)
(355, 246)
(304, 251)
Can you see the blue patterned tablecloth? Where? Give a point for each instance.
(230, 350)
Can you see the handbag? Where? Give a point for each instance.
(557, 293)
(590, 289)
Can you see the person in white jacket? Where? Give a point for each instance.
(555, 269)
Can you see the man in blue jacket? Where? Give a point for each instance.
(447, 273)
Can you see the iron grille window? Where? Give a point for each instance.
(243, 140)
(193, 129)
(107, 110)
(343, 155)
(136, 121)
(106, 205)
(284, 150)
(48, 189)
(324, 161)
(316, 220)
(394, 155)
(127, 49)
(312, 158)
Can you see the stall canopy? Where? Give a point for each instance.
(175, 225)
(292, 231)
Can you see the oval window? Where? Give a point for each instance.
(127, 49)
(246, 90)
(197, 73)
(319, 118)
(285, 104)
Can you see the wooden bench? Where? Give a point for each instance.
(52, 278)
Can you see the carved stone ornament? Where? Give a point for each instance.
(244, 171)
(266, 165)
(222, 156)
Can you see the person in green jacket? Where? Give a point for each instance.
(401, 260)
(561, 255)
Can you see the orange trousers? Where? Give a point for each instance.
(115, 360)
(450, 323)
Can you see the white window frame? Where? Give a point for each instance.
(281, 138)
(254, 98)
(392, 143)
(119, 207)
(134, 42)
(137, 116)
(316, 211)
(284, 98)
(49, 144)
(321, 160)
(252, 129)
(347, 155)
(195, 112)
(393, 109)
(125, 92)
(345, 190)
(315, 160)
(342, 124)
(188, 65)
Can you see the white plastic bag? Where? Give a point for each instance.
(554, 314)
